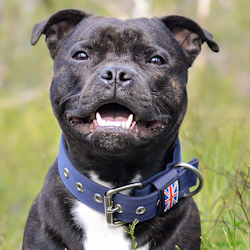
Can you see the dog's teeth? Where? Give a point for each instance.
(129, 121)
(99, 119)
(112, 124)
(117, 124)
(124, 124)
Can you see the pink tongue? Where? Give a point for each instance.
(115, 115)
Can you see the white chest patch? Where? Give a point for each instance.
(98, 234)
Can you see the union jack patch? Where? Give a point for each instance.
(171, 194)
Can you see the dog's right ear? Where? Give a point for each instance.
(57, 27)
(190, 35)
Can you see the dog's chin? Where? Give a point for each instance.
(116, 141)
(113, 141)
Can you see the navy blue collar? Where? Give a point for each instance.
(152, 197)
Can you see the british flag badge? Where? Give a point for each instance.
(171, 194)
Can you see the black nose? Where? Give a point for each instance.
(116, 75)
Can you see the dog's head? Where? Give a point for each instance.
(120, 85)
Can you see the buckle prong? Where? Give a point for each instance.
(109, 206)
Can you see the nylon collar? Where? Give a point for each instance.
(155, 196)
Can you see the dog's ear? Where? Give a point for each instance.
(57, 27)
(190, 35)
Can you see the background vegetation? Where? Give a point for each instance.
(216, 128)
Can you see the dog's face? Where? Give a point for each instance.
(120, 85)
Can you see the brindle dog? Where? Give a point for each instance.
(119, 95)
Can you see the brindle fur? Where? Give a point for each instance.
(155, 92)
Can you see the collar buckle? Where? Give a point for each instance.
(111, 208)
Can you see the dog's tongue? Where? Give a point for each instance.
(115, 115)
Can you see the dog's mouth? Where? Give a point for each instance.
(117, 118)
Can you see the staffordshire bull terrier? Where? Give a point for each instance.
(119, 95)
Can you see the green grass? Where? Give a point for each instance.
(230, 231)
(28, 146)
(217, 130)
(131, 232)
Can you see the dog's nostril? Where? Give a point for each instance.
(124, 76)
(107, 75)
(110, 75)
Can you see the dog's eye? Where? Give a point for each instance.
(158, 60)
(80, 55)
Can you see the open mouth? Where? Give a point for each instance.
(116, 116)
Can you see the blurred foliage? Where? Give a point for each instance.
(216, 128)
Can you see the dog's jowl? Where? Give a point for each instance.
(119, 95)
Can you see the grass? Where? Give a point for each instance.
(131, 232)
(223, 150)
(216, 130)
(230, 230)
(28, 146)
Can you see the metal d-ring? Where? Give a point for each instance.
(197, 172)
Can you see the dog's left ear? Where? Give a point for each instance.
(190, 35)
(57, 27)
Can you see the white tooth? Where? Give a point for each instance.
(117, 124)
(99, 119)
(108, 123)
(124, 124)
(129, 121)
(114, 124)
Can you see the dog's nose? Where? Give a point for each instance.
(116, 75)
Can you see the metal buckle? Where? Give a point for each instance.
(197, 172)
(111, 208)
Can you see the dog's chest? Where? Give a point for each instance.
(97, 233)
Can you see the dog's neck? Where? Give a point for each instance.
(137, 165)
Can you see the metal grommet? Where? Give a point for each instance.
(98, 198)
(197, 172)
(140, 210)
(119, 208)
(66, 172)
(79, 187)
